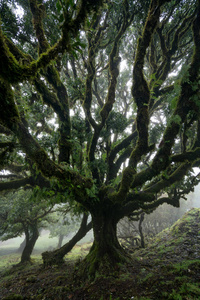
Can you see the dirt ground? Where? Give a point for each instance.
(169, 268)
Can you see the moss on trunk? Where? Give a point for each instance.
(106, 253)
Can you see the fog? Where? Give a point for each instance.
(45, 243)
(195, 197)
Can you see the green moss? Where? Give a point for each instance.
(59, 290)
(186, 265)
(10, 115)
(147, 277)
(13, 297)
(97, 264)
(60, 279)
(31, 278)
(13, 71)
(184, 225)
(185, 291)
(127, 177)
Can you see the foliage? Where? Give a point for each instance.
(20, 215)
(101, 107)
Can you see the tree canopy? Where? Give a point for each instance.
(100, 106)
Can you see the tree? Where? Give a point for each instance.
(62, 227)
(21, 215)
(130, 232)
(154, 222)
(57, 256)
(133, 132)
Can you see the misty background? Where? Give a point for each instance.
(164, 216)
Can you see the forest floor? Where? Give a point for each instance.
(169, 268)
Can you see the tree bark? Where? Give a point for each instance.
(106, 253)
(56, 257)
(30, 243)
(140, 230)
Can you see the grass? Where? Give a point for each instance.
(172, 276)
(175, 279)
(185, 289)
(79, 251)
(9, 257)
(186, 265)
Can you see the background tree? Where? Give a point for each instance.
(20, 215)
(63, 226)
(154, 222)
(139, 124)
(56, 256)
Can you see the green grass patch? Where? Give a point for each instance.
(186, 265)
(189, 291)
(79, 251)
(9, 257)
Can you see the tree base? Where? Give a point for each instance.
(51, 258)
(98, 264)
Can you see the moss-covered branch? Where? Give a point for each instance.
(49, 98)
(169, 49)
(11, 119)
(92, 50)
(11, 176)
(57, 99)
(189, 156)
(15, 168)
(93, 42)
(14, 72)
(176, 176)
(56, 256)
(54, 79)
(185, 104)
(151, 204)
(141, 94)
(15, 184)
(38, 12)
(59, 102)
(7, 105)
(114, 61)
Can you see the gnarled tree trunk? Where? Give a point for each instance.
(106, 252)
(30, 243)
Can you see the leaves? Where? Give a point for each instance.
(67, 136)
(176, 119)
